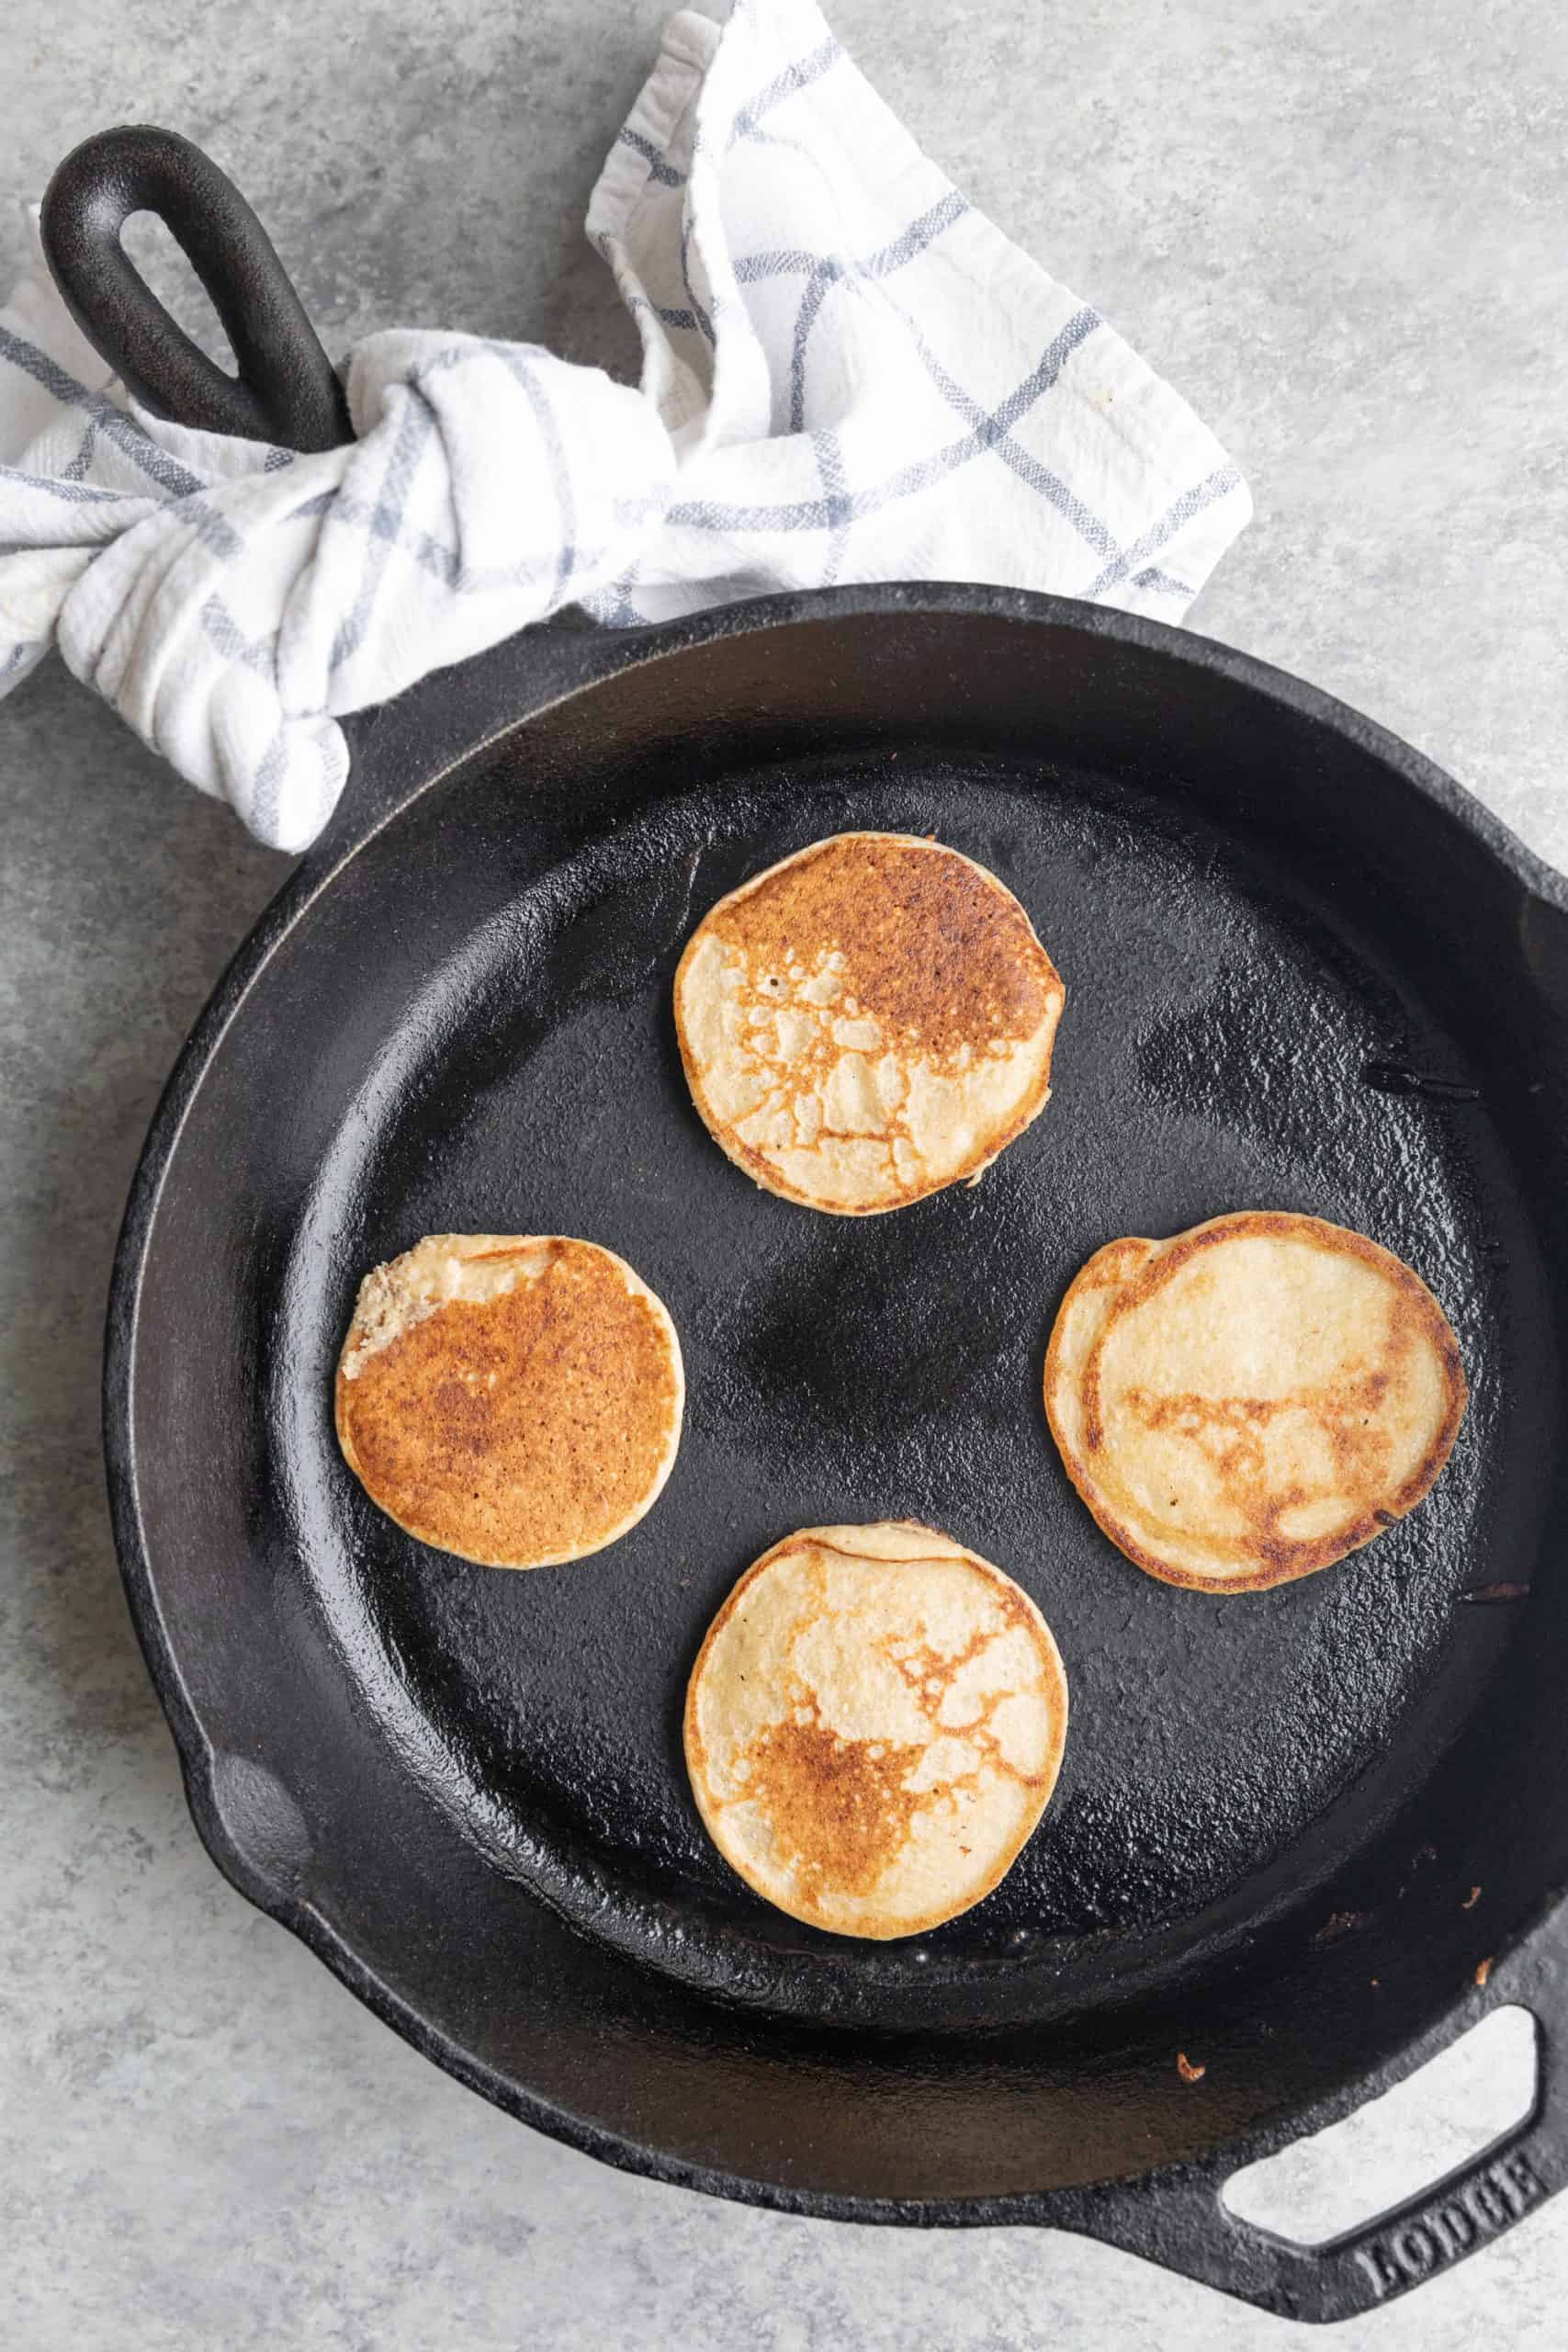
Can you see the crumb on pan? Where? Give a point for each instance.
(1341, 1923)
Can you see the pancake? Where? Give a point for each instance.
(1252, 1399)
(867, 1021)
(874, 1726)
(515, 1399)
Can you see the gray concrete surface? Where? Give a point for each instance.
(1343, 230)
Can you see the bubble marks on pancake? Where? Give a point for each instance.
(874, 1726)
(867, 1021)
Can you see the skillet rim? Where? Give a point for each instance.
(539, 671)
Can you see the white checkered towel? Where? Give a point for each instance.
(848, 375)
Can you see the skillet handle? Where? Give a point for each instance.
(1182, 2222)
(286, 390)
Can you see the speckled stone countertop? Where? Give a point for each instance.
(1343, 232)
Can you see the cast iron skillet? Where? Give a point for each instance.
(1303, 970)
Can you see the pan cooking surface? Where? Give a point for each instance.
(1303, 972)
(1227, 1042)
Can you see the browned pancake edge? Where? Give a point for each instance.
(524, 1431)
(1285, 1559)
(836, 1790)
(987, 950)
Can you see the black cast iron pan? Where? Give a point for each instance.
(1303, 970)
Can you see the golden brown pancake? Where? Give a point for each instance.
(1249, 1401)
(514, 1398)
(867, 1021)
(874, 1726)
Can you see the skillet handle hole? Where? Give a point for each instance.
(1444, 2116)
(162, 262)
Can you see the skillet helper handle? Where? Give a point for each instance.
(1184, 2223)
(286, 390)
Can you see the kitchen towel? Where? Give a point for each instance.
(849, 374)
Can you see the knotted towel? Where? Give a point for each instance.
(848, 375)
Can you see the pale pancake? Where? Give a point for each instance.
(514, 1398)
(867, 1021)
(1252, 1399)
(874, 1726)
